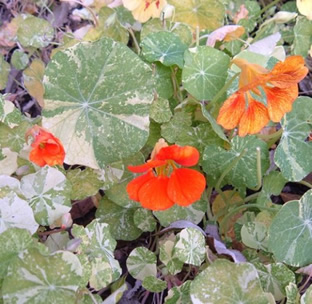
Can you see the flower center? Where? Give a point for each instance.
(166, 169)
(42, 145)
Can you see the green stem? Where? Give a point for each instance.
(225, 220)
(271, 137)
(137, 47)
(229, 168)
(176, 86)
(267, 7)
(197, 36)
(259, 170)
(305, 184)
(223, 90)
(208, 196)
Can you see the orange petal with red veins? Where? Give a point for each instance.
(280, 101)
(135, 185)
(186, 186)
(145, 167)
(254, 119)
(184, 156)
(153, 194)
(290, 71)
(232, 111)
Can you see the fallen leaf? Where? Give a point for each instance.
(33, 77)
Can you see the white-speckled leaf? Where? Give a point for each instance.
(290, 232)
(48, 192)
(13, 242)
(141, 263)
(9, 114)
(97, 102)
(98, 244)
(8, 161)
(35, 278)
(165, 47)
(164, 86)
(307, 296)
(153, 284)
(166, 252)
(16, 212)
(193, 213)
(160, 110)
(292, 155)
(19, 59)
(255, 235)
(302, 36)
(120, 220)
(244, 173)
(274, 278)
(84, 183)
(224, 282)
(205, 71)
(144, 219)
(179, 294)
(292, 294)
(190, 246)
(35, 32)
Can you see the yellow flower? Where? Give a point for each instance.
(143, 10)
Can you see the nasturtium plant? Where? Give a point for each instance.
(155, 151)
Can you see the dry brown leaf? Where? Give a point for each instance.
(33, 77)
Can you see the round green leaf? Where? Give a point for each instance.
(35, 278)
(224, 282)
(120, 220)
(16, 212)
(292, 155)
(179, 294)
(190, 247)
(302, 36)
(165, 47)
(141, 263)
(255, 235)
(144, 219)
(19, 60)
(9, 114)
(160, 110)
(205, 71)
(206, 14)
(97, 102)
(163, 79)
(244, 172)
(274, 278)
(166, 255)
(307, 296)
(84, 183)
(35, 32)
(48, 192)
(290, 232)
(153, 284)
(13, 242)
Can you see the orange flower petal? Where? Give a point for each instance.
(184, 156)
(280, 101)
(290, 71)
(186, 186)
(232, 111)
(135, 185)
(153, 194)
(46, 148)
(254, 119)
(145, 167)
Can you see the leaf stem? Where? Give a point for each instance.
(267, 7)
(224, 89)
(259, 170)
(137, 47)
(307, 184)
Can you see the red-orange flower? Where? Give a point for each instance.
(279, 85)
(165, 183)
(46, 148)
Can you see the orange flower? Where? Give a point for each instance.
(279, 85)
(46, 148)
(164, 182)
